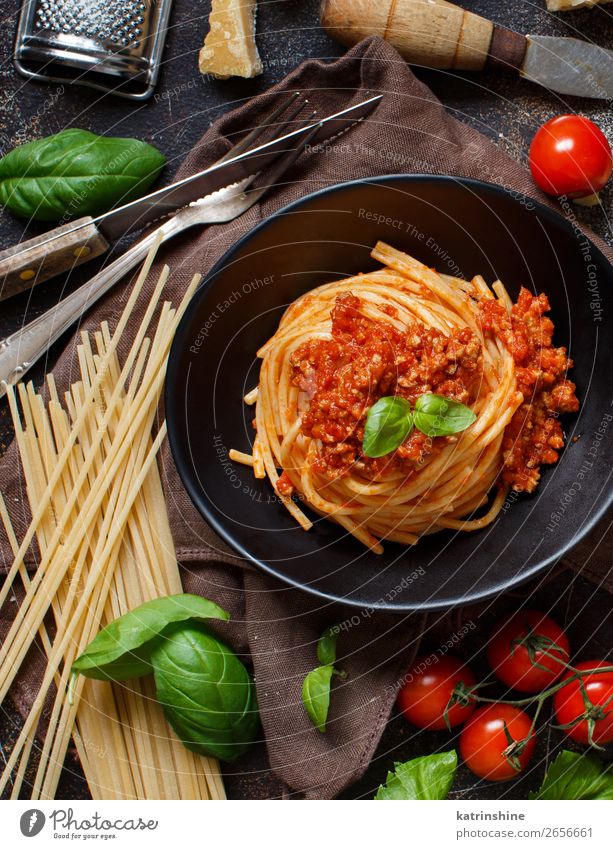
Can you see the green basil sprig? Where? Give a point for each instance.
(207, 695)
(576, 776)
(317, 684)
(75, 173)
(428, 777)
(390, 420)
(122, 650)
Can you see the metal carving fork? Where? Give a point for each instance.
(216, 195)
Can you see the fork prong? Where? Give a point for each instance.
(286, 160)
(256, 132)
(283, 159)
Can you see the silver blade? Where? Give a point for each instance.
(569, 66)
(134, 216)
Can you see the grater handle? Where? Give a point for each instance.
(29, 263)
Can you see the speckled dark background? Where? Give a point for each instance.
(503, 107)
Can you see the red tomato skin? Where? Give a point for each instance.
(482, 741)
(425, 694)
(568, 703)
(514, 668)
(571, 156)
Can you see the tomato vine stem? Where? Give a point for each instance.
(539, 699)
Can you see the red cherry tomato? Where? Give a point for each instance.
(483, 742)
(570, 156)
(524, 643)
(428, 689)
(569, 706)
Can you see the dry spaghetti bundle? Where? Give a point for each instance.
(448, 483)
(100, 522)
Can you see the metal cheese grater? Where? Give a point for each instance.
(112, 45)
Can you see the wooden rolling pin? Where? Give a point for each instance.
(433, 33)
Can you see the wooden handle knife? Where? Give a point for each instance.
(29, 263)
(439, 34)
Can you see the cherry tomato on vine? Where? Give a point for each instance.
(428, 689)
(597, 715)
(570, 156)
(497, 743)
(528, 651)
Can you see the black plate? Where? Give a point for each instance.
(457, 226)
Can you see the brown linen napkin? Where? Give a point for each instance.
(277, 627)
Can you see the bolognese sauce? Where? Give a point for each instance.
(534, 436)
(367, 359)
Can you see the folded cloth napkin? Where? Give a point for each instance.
(278, 627)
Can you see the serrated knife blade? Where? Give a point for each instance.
(134, 216)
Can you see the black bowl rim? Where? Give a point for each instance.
(172, 403)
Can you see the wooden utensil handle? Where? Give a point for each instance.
(19, 352)
(42, 257)
(433, 33)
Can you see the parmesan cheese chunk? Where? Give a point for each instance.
(229, 48)
(568, 5)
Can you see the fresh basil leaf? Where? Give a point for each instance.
(207, 695)
(576, 776)
(75, 173)
(388, 423)
(436, 415)
(122, 649)
(428, 777)
(133, 663)
(326, 647)
(316, 695)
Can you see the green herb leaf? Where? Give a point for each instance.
(207, 695)
(122, 649)
(575, 776)
(316, 695)
(428, 777)
(75, 173)
(438, 416)
(326, 647)
(317, 684)
(388, 424)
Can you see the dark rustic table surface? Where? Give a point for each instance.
(502, 107)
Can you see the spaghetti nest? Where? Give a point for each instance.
(406, 330)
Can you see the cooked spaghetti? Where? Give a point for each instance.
(404, 331)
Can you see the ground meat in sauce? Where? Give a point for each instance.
(367, 359)
(284, 485)
(534, 435)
